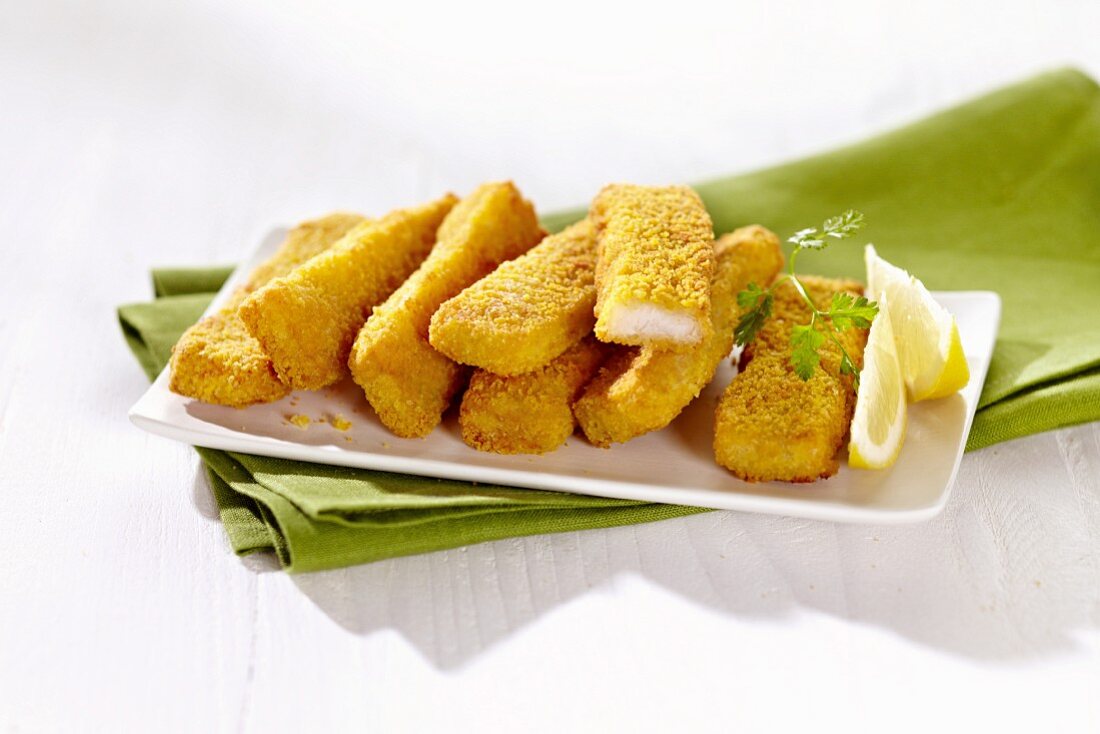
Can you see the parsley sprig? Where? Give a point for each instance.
(844, 312)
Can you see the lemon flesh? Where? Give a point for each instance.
(932, 359)
(879, 419)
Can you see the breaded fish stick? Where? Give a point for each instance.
(406, 381)
(306, 321)
(643, 389)
(217, 360)
(528, 413)
(656, 259)
(770, 424)
(526, 312)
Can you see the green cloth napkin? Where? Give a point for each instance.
(316, 517)
(1001, 193)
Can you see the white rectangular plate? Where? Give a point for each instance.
(673, 466)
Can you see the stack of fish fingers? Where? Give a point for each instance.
(613, 326)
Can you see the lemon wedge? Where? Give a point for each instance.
(932, 359)
(879, 420)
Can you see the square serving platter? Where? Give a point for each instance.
(673, 466)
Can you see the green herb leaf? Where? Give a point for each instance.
(807, 239)
(757, 305)
(839, 228)
(805, 343)
(848, 368)
(748, 297)
(847, 311)
(844, 226)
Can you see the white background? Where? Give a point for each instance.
(149, 133)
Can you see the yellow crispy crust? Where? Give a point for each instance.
(528, 413)
(643, 389)
(217, 360)
(656, 247)
(770, 424)
(306, 321)
(406, 381)
(303, 243)
(527, 311)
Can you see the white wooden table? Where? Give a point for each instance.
(138, 134)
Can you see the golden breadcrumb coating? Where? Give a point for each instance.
(643, 389)
(306, 321)
(526, 312)
(217, 360)
(406, 381)
(770, 424)
(656, 259)
(528, 413)
(303, 243)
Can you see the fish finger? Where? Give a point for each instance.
(655, 262)
(770, 424)
(307, 320)
(529, 413)
(407, 382)
(217, 360)
(526, 312)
